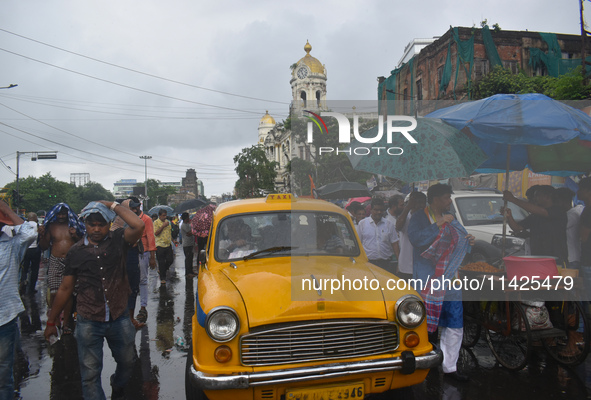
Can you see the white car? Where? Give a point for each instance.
(479, 212)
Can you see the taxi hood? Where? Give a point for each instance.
(285, 289)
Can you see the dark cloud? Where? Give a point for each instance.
(230, 46)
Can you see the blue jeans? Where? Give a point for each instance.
(144, 265)
(120, 335)
(8, 337)
(133, 276)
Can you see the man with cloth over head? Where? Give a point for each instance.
(61, 229)
(439, 246)
(97, 265)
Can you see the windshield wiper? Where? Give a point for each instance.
(270, 250)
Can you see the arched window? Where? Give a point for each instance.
(303, 97)
(318, 98)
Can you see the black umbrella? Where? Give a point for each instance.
(342, 190)
(190, 205)
(155, 209)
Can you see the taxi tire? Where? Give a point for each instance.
(191, 392)
(404, 393)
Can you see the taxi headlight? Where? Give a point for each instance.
(410, 311)
(222, 324)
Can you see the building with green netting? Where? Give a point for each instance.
(447, 68)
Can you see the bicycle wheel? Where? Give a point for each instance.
(571, 345)
(508, 333)
(472, 323)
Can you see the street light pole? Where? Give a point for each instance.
(146, 158)
(36, 155)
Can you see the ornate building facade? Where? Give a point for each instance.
(308, 87)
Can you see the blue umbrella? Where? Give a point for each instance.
(525, 130)
(545, 135)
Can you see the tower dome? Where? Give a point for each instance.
(315, 66)
(267, 119)
(265, 126)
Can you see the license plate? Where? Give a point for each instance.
(326, 392)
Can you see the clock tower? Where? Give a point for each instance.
(308, 84)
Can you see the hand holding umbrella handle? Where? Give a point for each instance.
(508, 196)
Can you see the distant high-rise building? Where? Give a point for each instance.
(124, 187)
(200, 188)
(79, 178)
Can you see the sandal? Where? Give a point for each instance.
(142, 316)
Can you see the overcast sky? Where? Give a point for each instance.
(103, 82)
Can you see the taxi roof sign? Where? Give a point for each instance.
(278, 198)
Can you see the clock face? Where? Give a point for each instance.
(302, 72)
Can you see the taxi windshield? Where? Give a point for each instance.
(286, 233)
(481, 210)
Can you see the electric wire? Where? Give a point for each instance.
(118, 168)
(143, 73)
(127, 86)
(92, 142)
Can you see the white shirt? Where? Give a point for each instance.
(35, 226)
(377, 238)
(573, 240)
(405, 259)
(390, 217)
(12, 250)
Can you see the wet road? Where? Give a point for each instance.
(52, 371)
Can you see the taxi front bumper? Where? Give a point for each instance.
(408, 363)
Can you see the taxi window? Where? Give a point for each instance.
(284, 234)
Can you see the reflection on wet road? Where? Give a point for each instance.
(44, 371)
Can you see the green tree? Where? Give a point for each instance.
(569, 86)
(301, 171)
(44, 192)
(158, 193)
(94, 191)
(327, 167)
(255, 172)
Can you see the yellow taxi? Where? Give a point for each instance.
(288, 307)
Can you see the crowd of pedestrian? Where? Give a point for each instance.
(97, 264)
(410, 236)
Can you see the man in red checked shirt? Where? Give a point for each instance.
(147, 258)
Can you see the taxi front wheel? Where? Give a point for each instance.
(191, 392)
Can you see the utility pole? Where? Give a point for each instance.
(583, 42)
(146, 158)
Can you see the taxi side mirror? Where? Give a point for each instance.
(202, 257)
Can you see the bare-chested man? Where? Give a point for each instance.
(61, 229)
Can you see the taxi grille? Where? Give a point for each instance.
(319, 340)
